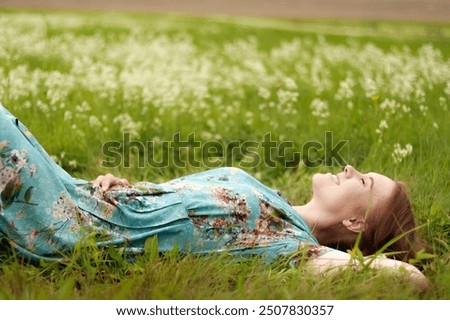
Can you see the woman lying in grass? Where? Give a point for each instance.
(44, 212)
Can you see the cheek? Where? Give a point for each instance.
(377, 204)
(346, 198)
(356, 202)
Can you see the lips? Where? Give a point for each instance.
(336, 179)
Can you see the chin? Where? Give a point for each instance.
(322, 181)
(319, 177)
(317, 180)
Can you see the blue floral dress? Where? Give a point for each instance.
(44, 212)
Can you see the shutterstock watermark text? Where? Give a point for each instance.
(187, 150)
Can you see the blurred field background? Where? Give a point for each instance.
(78, 79)
(406, 10)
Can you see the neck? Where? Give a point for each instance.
(310, 213)
(323, 226)
(307, 213)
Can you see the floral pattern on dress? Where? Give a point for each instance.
(17, 186)
(233, 202)
(12, 163)
(230, 210)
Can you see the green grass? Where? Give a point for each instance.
(78, 80)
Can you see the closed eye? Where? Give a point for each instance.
(364, 182)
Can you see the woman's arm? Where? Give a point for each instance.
(335, 260)
(108, 181)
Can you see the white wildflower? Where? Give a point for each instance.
(370, 87)
(264, 93)
(290, 84)
(42, 106)
(73, 163)
(443, 103)
(381, 127)
(400, 153)
(94, 121)
(56, 159)
(83, 107)
(249, 116)
(68, 115)
(211, 124)
(423, 109)
(390, 106)
(320, 109)
(420, 95)
(286, 98)
(345, 90)
(128, 125)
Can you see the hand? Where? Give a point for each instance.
(417, 278)
(333, 260)
(108, 181)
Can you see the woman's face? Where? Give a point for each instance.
(350, 192)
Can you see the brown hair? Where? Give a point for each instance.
(393, 219)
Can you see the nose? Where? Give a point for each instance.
(350, 172)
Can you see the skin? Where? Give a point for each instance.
(340, 203)
(105, 182)
(336, 213)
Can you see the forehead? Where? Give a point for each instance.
(382, 185)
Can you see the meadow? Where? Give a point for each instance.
(80, 80)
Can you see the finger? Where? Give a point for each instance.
(97, 181)
(105, 184)
(124, 182)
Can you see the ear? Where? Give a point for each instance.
(355, 224)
